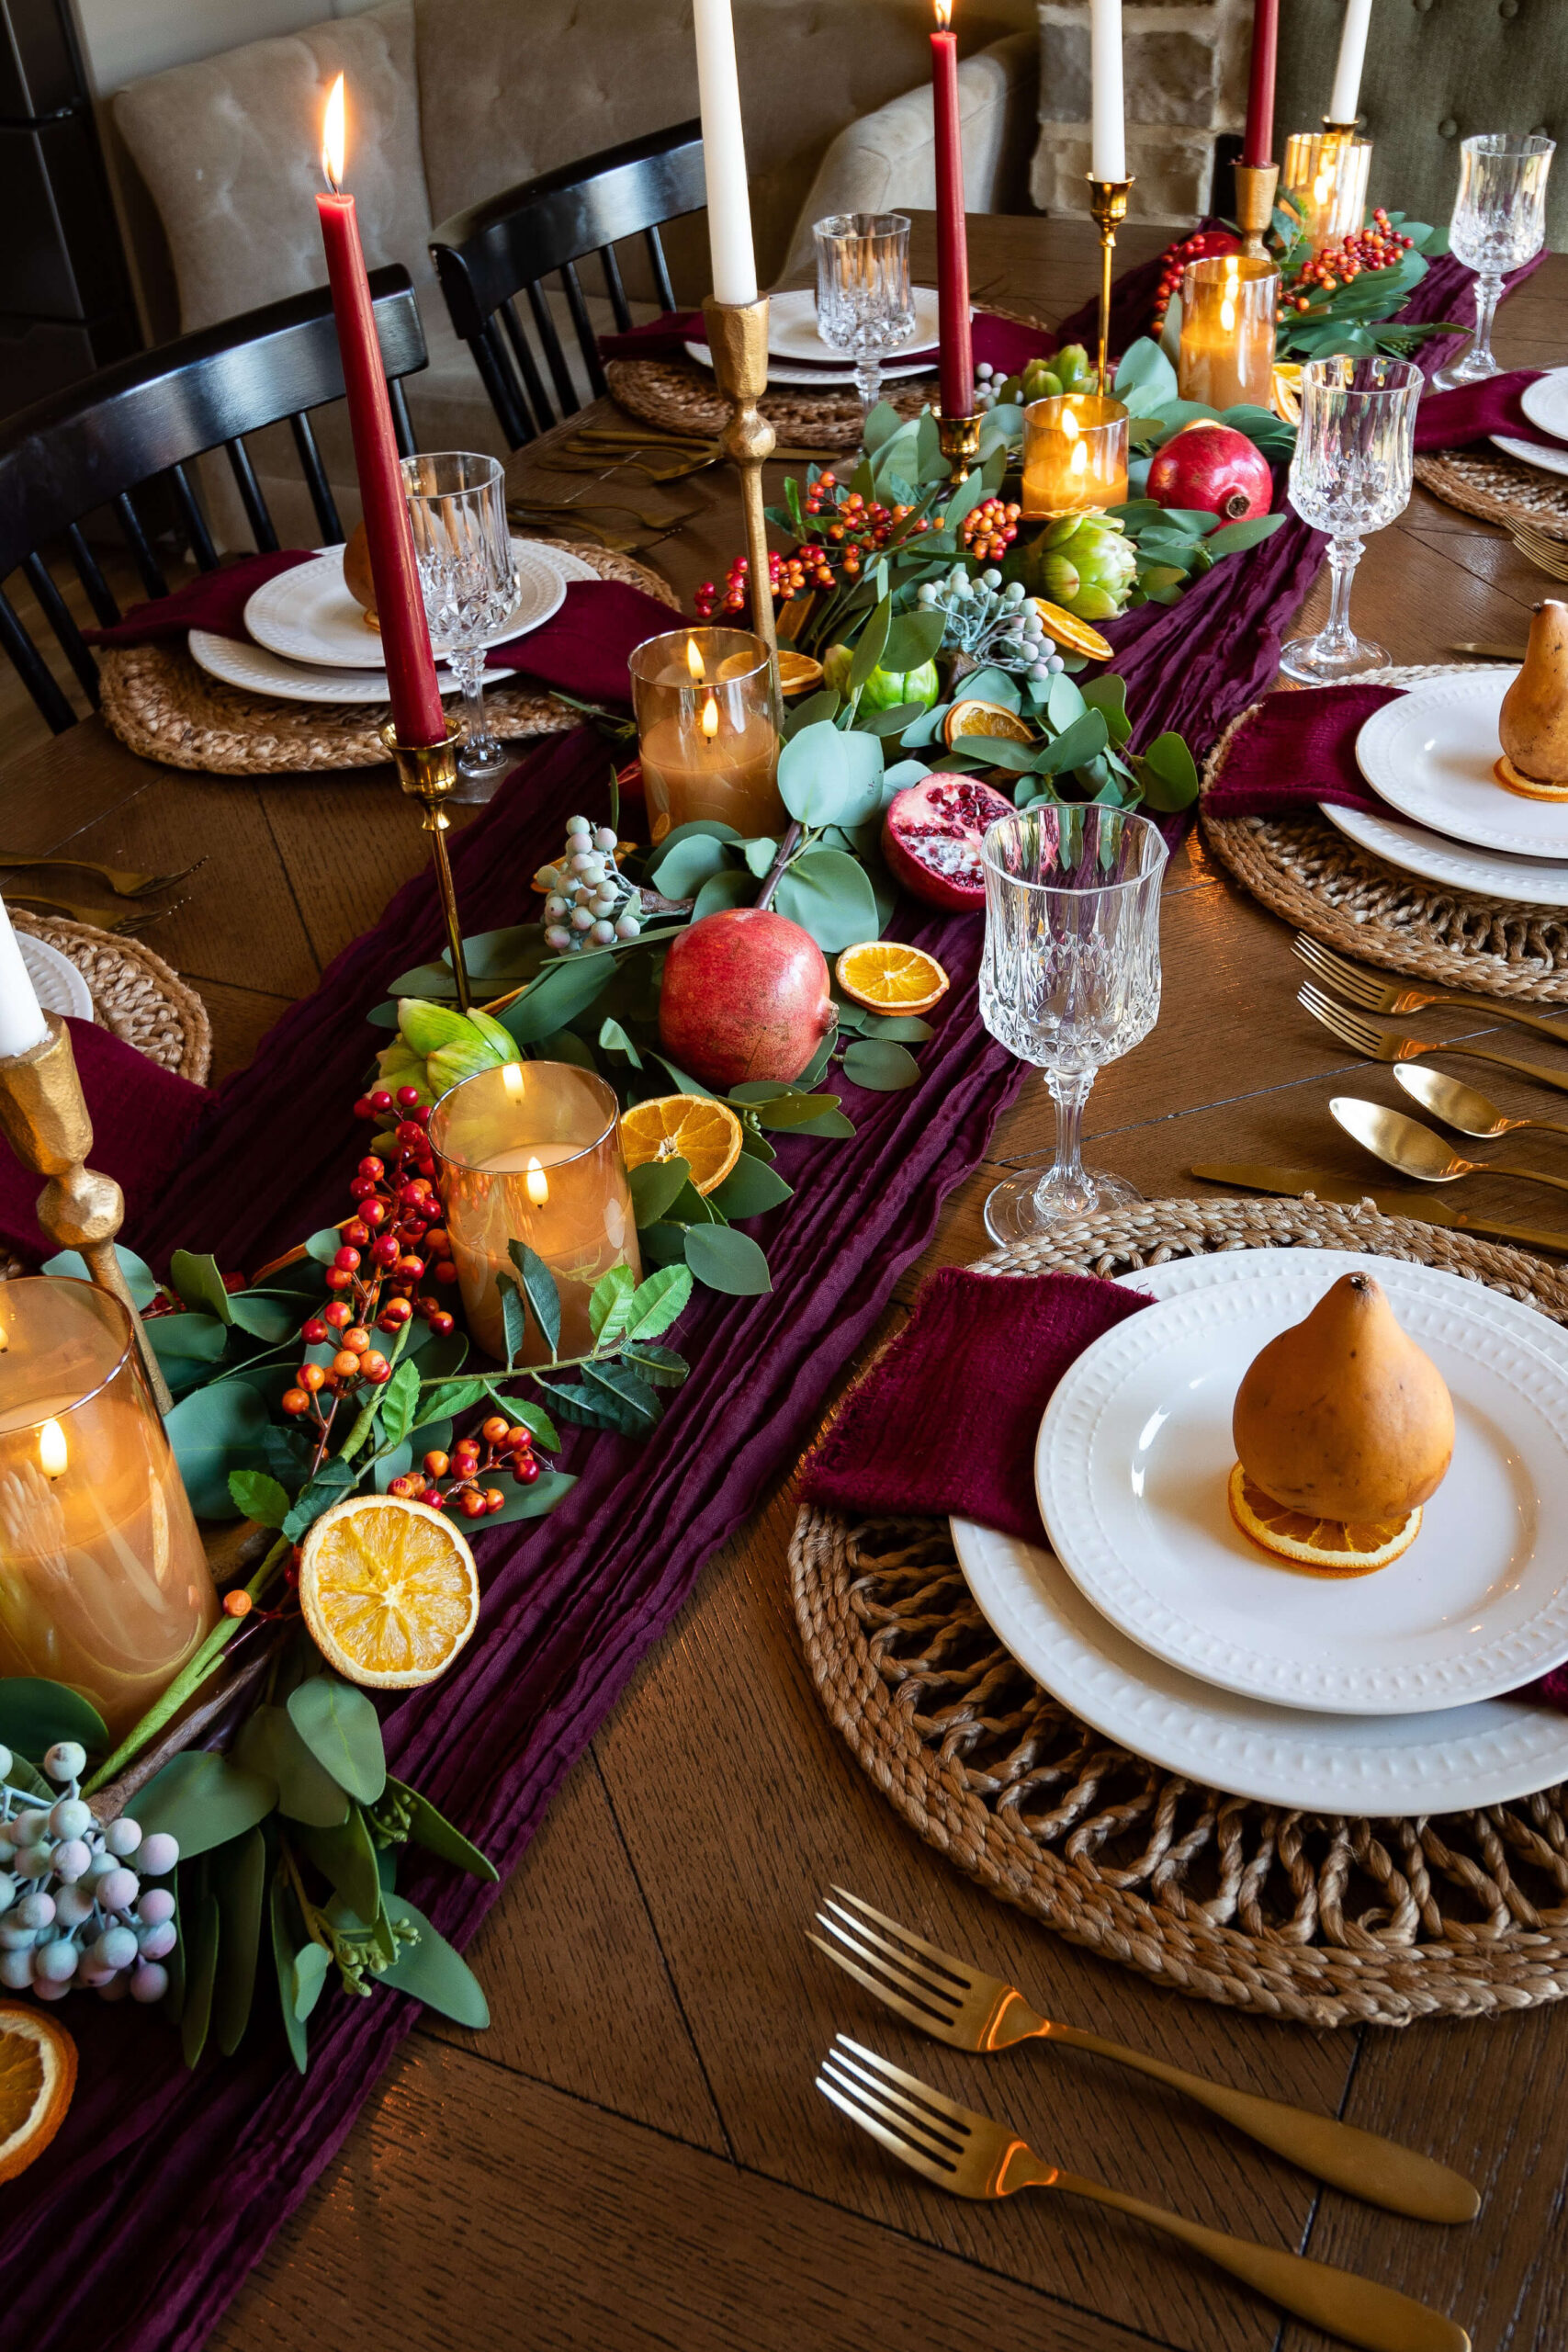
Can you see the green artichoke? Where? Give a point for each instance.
(1068, 370)
(885, 689)
(1085, 563)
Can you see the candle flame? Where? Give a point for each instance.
(4, 1339)
(512, 1078)
(694, 661)
(710, 718)
(537, 1184)
(1322, 187)
(943, 14)
(1228, 315)
(1070, 424)
(1078, 462)
(51, 1450)
(332, 137)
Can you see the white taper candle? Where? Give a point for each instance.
(1346, 102)
(22, 1024)
(723, 155)
(1108, 141)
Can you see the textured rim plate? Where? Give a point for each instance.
(1545, 402)
(1526, 882)
(307, 614)
(1430, 753)
(255, 671)
(1530, 453)
(1135, 1451)
(822, 379)
(791, 325)
(57, 984)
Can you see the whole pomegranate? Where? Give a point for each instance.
(932, 837)
(745, 995)
(1212, 468)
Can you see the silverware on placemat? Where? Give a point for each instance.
(1381, 1045)
(1372, 994)
(1295, 1183)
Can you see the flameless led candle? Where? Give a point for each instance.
(1075, 455)
(723, 155)
(22, 1025)
(1346, 102)
(1325, 176)
(1227, 332)
(531, 1152)
(1108, 132)
(706, 731)
(104, 1584)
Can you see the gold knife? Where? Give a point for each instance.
(1492, 652)
(1393, 1202)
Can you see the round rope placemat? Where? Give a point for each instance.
(163, 705)
(677, 396)
(135, 994)
(1498, 488)
(1324, 1921)
(1305, 870)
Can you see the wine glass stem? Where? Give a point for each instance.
(868, 379)
(1344, 555)
(1070, 1092)
(469, 670)
(1488, 292)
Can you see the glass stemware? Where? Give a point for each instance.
(1499, 223)
(1352, 472)
(863, 303)
(1069, 980)
(463, 548)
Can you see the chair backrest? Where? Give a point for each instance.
(508, 245)
(140, 423)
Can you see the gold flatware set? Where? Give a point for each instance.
(124, 882)
(1548, 555)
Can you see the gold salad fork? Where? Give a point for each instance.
(1548, 555)
(1371, 994)
(961, 2004)
(1378, 1045)
(972, 2156)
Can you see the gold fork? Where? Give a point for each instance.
(1550, 555)
(1373, 995)
(1379, 1046)
(125, 882)
(975, 2157)
(962, 2006)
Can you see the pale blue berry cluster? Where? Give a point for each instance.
(590, 903)
(72, 1912)
(991, 623)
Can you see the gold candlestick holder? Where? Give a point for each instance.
(738, 338)
(429, 772)
(1108, 203)
(1255, 189)
(958, 438)
(43, 1114)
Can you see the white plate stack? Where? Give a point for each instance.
(798, 356)
(1545, 402)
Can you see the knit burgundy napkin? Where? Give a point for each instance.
(946, 1419)
(1299, 749)
(585, 645)
(1474, 412)
(213, 600)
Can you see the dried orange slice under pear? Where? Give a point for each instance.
(693, 1128)
(389, 1590)
(887, 978)
(1334, 1547)
(38, 2075)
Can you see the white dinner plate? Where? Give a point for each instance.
(1519, 881)
(1545, 402)
(1431, 755)
(823, 379)
(1530, 453)
(57, 984)
(307, 614)
(1134, 1452)
(791, 325)
(255, 671)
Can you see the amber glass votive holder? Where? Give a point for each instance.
(1075, 455)
(1226, 358)
(104, 1584)
(531, 1152)
(706, 731)
(1325, 174)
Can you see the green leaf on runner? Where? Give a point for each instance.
(436, 1834)
(271, 1319)
(288, 1935)
(1232, 539)
(612, 1039)
(179, 1340)
(431, 1972)
(334, 1479)
(868, 644)
(827, 893)
(346, 1855)
(561, 991)
(324, 1245)
(239, 1880)
(882, 1067)
(307, 1978)
(445, 1404)
(257, 1496)
(662, 1366)
(721, 891)
(140, 1280)
(532, 1418)
(626, 1386)
(550, 1487)
(680, 872)
(514, 1321)
(905, 1028)
(539, 1290)
(343, 1731)
(656, 1302)
(663, 1245)
(200, 1285)
(203, 1801)
(1169, 776)
(215, 1431)
(654, 1185)
(609, 1303)
(912, 641)
(751, 1189)
(267, 1744)
(828, 777)
(782, 1106)
(727, 1260)
(35, 1714)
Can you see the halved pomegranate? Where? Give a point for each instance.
(931, 838)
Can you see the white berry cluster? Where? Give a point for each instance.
(987, 387)
(590, 903)
(991, 623)
(72, 1913)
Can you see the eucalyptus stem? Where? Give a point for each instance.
(782, 856)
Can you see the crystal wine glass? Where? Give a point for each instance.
(863, 303)
(463, 547)
(1352, 472)
(1069, 980)
(1499, 223)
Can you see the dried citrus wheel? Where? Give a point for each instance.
(799, 674)
(887, 978)
(1067, 629)
(693, 1128)
(1335, 1548)
(389, 1590)
(38, 2075)
(1288, 390)
(985, 718)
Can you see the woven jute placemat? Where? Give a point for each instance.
(135, 994)
(1498, 488)
(677, 396)
(1304, 869)
(1326, 1920)
(163, 705)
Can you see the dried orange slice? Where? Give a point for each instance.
(693, 1128)
(985, 718)
(389, 1590)
(38, 2075)
(1334, 1547)
(1287, 389)
(799, 674)
(1066, 629)
(886, 977)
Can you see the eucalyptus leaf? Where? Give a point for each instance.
(612, 1039)
(268, 1745)
(436, 1834)
(287, 1936)
(35, 1714)
(333, 1481)
(341, 1728)
(263, 1319)
(189, 1338)
(654, 1185)
(885, 724)
(759, 856)
(828, 777)
(1076, 746)
(561, 991)
(905, 1028)
(1064, 702)
(1235, 536)
(539, 1290)
(992, 685)
(200, 1284)
(727, 1260)
(140, 1280)
(308, 1977)
(663, 1245)
(880, 1066)
(751, 1189)
(998, 751)
(815, 709)
(722, 891)
(238, 1882)
(214, 1431)
(346, 1856)
(826, 893)
(913, 639)
(431, 1972)
(830, 1123)
(680, 872)
(1167, 774)
(202, 1800)
(550, 1487)
(868, 644)
(324, 1245)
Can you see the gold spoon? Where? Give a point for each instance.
(1461, 1106)
(1415, 1151)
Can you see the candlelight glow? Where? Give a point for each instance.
(943, 14)
(5, 1341)
(332, 137)
(536, 1184)
(1070, 424)
(1228, 307)
(1078, 462)
(1322, 187)
(512, 1078)
(710, 718)
(51, 1450)
(694, 661)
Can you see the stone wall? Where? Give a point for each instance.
(1184, 69)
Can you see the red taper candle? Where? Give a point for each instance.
(400, 608)
(1259, 143)
(951, 238)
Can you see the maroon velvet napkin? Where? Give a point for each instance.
(1299, 749)
(1000, 344)
(585, 645)
(1472, 411)
(947, 1418)
(213, 600)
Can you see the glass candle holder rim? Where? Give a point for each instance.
(836, 226)
(1397, 387)
(1508, 142)
(1244, 269)
(1113, 411)
(116, 1320)
(644, 677)
(475, 1078)
(1146, 828)
(494, 470)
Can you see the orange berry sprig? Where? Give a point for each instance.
(1174, 260)
(989, 529)
(855, 527)
(457, 1477)
(1380, 245)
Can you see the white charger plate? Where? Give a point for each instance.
(791, 325)
(255, 671)
(822, 379)
(308, 615)
(1545, 402)
(1431, 755)
(1134, 1452)
(1530, 453)
(1518, 881)
(57, 984)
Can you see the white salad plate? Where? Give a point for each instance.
(1134, 1454)
(823, 379)
(308, 615)
(255, 671)
(792, 326)
(1519, 881)
(1431, 754)
(1530, 453)
(57, 984)
(1545, 402)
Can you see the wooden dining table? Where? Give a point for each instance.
(633, 2155)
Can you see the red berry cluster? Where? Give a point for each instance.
(1378, 246)
(858, 526)
(501, 1446)
(787, 576)
(1174, 260)
(990, 528)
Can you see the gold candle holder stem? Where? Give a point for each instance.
(428, 771)
(959, 439)
(1256, 185)
(738, 338)
(43, 1114)
(1108, 203)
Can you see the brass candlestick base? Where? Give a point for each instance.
(738, 338)
(429, 771)
(1108, 203)
(44, 1117)
(1255, 186)
(960, 439)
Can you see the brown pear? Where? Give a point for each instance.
(1342, 1416)
(1533, 723)
(357, 574)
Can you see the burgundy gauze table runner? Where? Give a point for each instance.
(134, 2230)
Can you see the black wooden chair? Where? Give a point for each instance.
(508, 245)
(136, 427)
